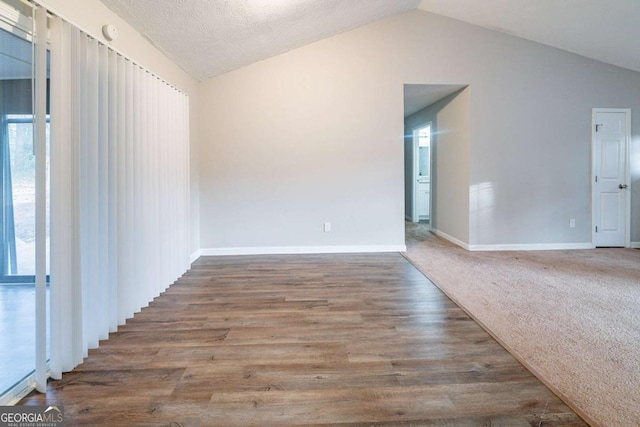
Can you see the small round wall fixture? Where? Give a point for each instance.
(110, 32)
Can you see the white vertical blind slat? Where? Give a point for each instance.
(138, 155)
(165, 195)
(186, 187)
(102, 213)
(121, 194)
(146, 184)
(73, 213)
(156, 147)
(129, 258)
(91, 253)
(83, 184)
(112, 185)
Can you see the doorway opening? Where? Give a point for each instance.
(428, 115)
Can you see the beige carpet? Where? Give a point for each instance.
(572, 317)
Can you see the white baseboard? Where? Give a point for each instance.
(408, 218)
(517, 247)
(195, 255)
(286, 250)
(532, 247)
(452, 239)
(635, 245)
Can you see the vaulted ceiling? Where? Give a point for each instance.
(606, 30)
(210, 37)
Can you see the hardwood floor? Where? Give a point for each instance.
(358, 339)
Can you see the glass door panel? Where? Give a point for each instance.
(20, 196)
(17, 206)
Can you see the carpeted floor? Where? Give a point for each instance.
(572, 317)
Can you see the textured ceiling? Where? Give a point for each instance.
(606, 30)
(210, 37)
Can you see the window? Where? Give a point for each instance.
(18, 194)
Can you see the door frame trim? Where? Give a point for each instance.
(627, 173)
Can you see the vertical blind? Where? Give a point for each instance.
(119, 167)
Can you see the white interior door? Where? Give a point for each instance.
(421, 172)
(415, 196)
(611, 132)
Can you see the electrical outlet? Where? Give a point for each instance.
(327, 227)
(572, 223)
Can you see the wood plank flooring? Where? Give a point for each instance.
(357, 339)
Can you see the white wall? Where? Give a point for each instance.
(90, 16)
(315, 135)
(450, 141)
(635, 183)
(452, 157)
(304, 138)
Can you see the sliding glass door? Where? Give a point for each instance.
(120, 159)
(17, 201)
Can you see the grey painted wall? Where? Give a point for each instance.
(450, 141)
(316, 134)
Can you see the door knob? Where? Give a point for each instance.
(622, 186)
